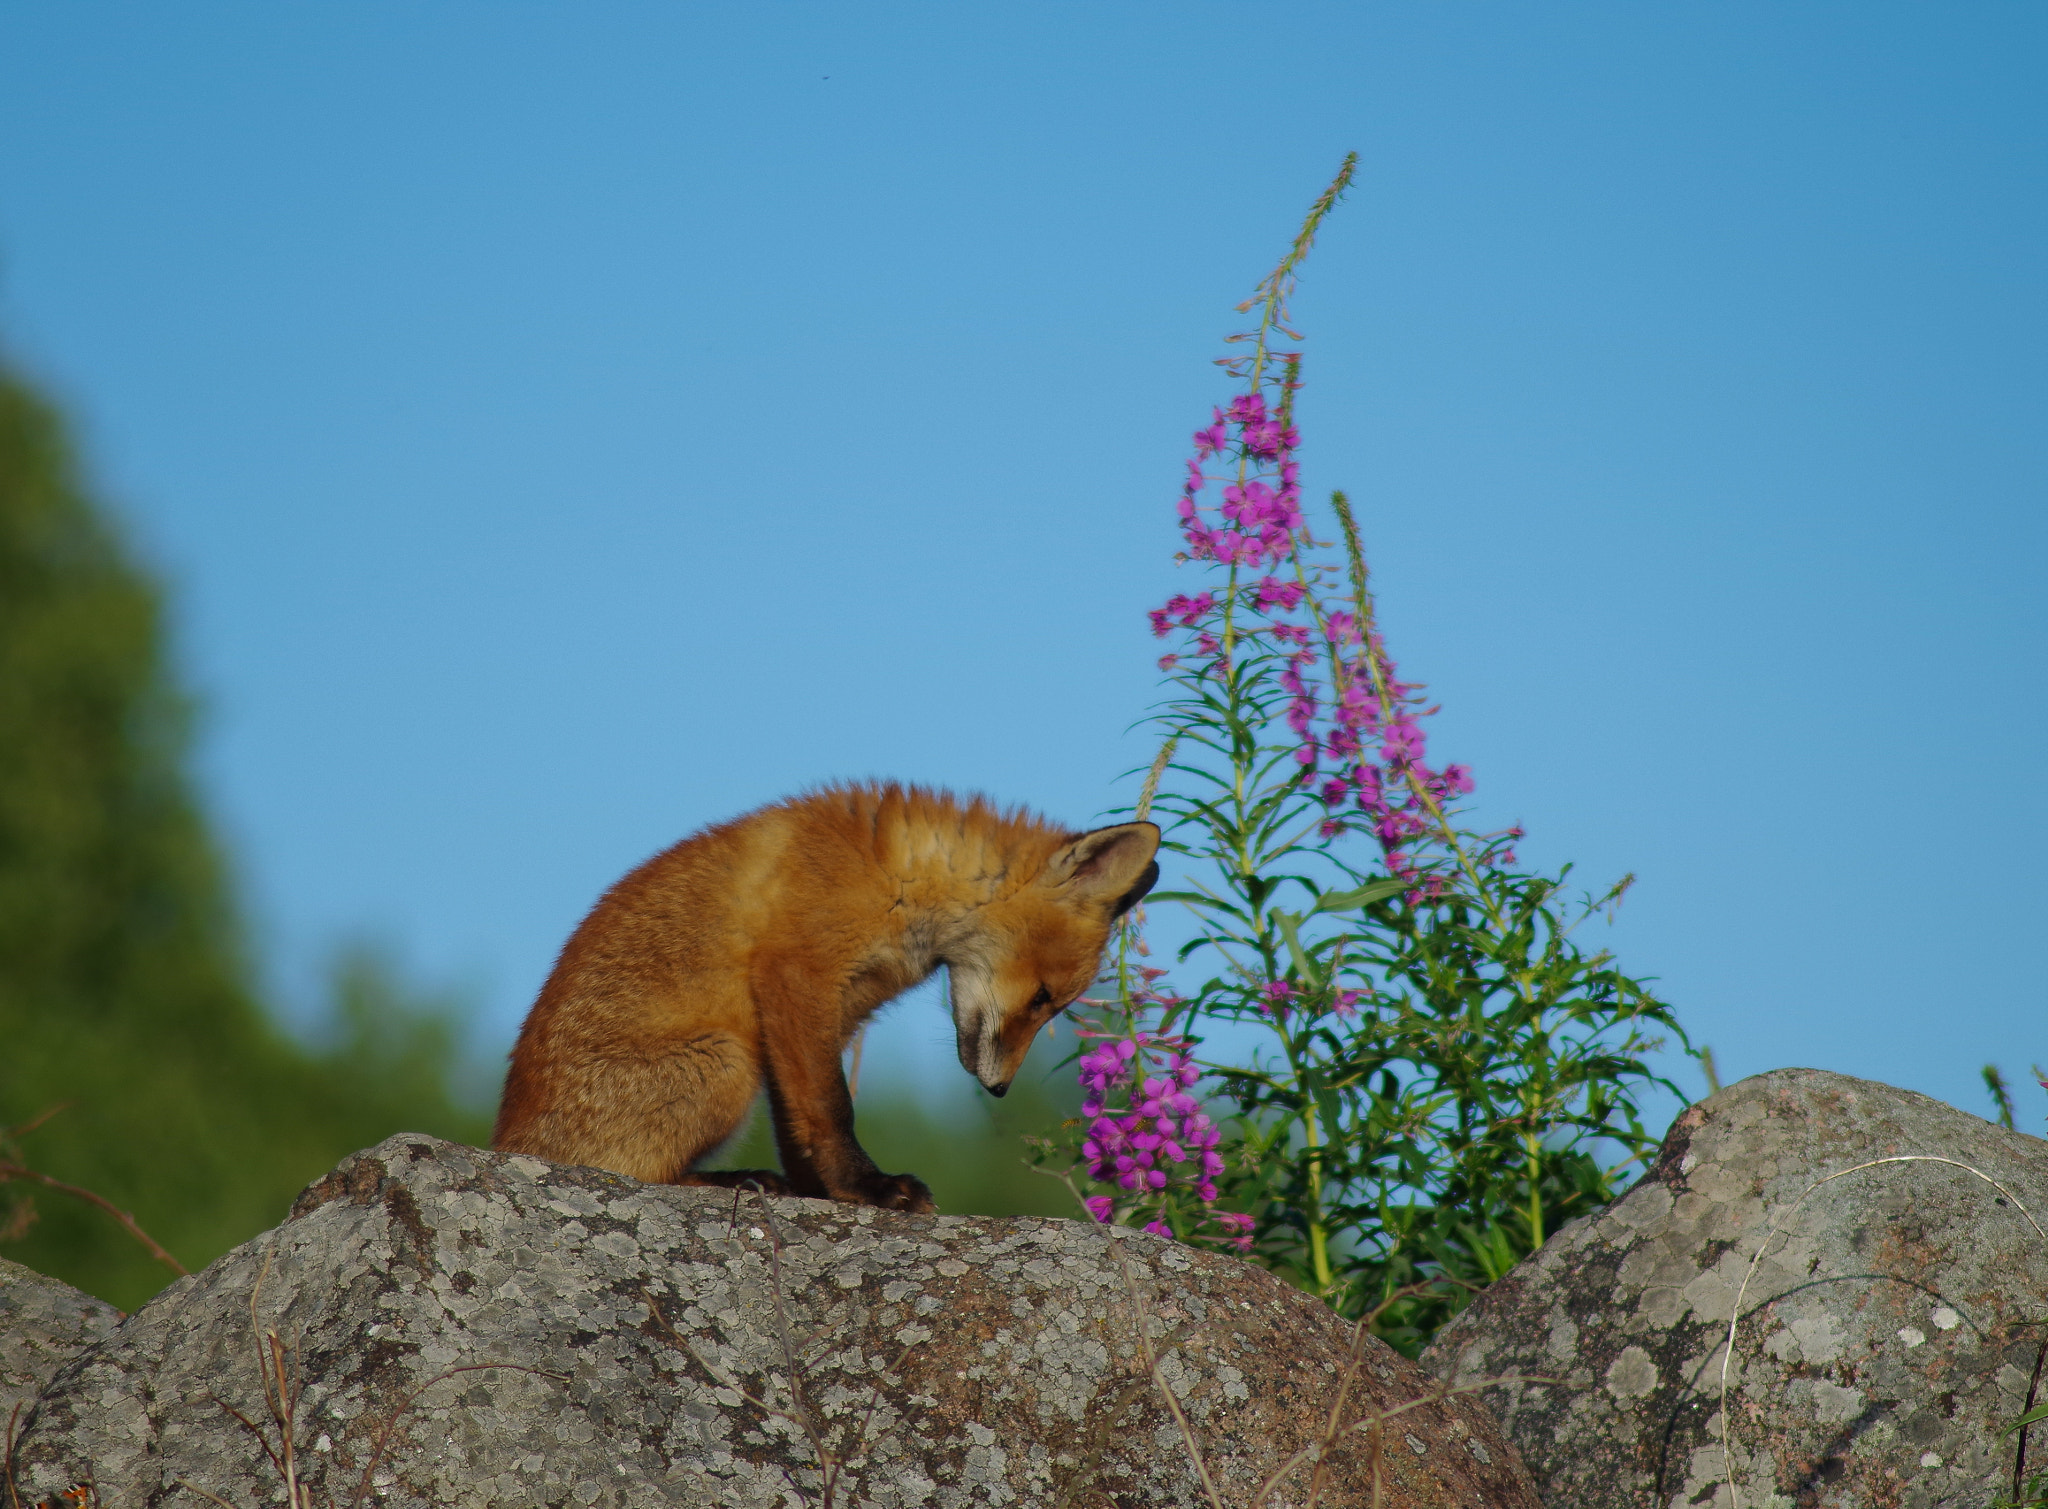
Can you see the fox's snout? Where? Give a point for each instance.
(979, 1032)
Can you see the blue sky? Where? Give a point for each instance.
(565, 426)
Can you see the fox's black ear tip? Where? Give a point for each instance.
(1137, 892)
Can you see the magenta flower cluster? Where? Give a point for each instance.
(1147, 1134)
(1359, 740)
(1261, 509)
(1278, 997)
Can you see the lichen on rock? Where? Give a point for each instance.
(461, 1329)
(44, 1323)
(1897, 1322)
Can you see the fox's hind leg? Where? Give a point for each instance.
(647, 1107)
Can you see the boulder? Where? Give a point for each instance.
(436, 1325)
(43, 1325)
(1896, 1323)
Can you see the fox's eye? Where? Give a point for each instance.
(1042, 999)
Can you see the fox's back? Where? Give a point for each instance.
(845, 866)
(696, 907)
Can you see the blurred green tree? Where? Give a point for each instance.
(125, 993)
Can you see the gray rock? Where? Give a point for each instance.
(458, 1328)
(1896, 1324)
(43, 1325)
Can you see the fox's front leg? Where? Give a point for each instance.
(814, 1112)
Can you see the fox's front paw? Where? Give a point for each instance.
(905, 1192)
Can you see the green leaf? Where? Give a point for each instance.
(2033, 1416)
(1289, 925)
(1374, 890)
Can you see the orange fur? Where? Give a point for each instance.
(752, 951)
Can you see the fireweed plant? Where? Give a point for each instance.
(1445, 1074)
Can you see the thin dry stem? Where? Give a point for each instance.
(1361, 1329)
(1324, 1445)
(195, 1488)
(1756, 1259)
(828, 1466)
(35, 1121)
(11, 1170)
(1173, 1407)
(13, 1489)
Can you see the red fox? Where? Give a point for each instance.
(752, 951)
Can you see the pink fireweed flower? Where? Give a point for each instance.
(1276, 596)
(1237, 1227)
(1456, 780)
(1354, 723)
(1359, 752)
(1403, 745)
(1261, 439)
(1183, 611)
(1146, 1134)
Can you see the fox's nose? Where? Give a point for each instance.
(999, 1091)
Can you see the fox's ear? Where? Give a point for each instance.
(1110, 864)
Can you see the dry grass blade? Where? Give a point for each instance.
(12, 1133)
(1756, 1260)
(11, 1170)
(195, 1488)
(828, 1465)
(1173, 1406)
(1361, 1330)
(1377, 1419)
(13, 1489)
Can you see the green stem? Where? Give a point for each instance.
(1312, 1137)
(1534, 1145)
